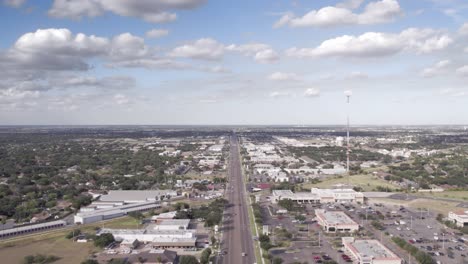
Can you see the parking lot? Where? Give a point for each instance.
(418, 227)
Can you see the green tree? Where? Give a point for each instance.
(188, 260)
(103, 240)
(205, 256)
(277, 260)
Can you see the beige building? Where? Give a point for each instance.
(335, 221)
(459, 218)
(369, 251)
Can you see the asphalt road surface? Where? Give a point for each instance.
(237, 237)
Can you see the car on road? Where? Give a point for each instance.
(244, 254)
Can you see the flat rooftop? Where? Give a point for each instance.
(174, 222)
(335, 217)
(371, 248)
(131, 195)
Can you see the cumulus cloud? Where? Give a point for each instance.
(260, 52)
(277, 94)
(14, 3)
(463, 71)
(350, 4)
(203, 49)
(377, 44)
(374, 13)
(438, 68)
(312, 92)
(110, 82)
(154, 11)
(283, 76)
(157, 33)
(463, 29)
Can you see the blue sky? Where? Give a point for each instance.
(233, 62)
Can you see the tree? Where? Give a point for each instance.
(90, 261)
(103, 240)
(188, 260)
(277, 260)
(205, 256)
(287, 204)
(300, 218)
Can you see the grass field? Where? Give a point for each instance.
(367, 182)
(442, 207)
(53, 242)
(69, 252)
(457, 195)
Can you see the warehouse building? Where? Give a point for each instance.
(137, 196)
(369, 251)
(158, 238)
(91, 216)
(31, 228)
(335, 221)
(173, 224)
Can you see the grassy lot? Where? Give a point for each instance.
(457, 195)
(367, 182)
(433, 205)
(70, 252)
(53, 242)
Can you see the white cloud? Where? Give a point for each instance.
(375, 12)
(438, 68)
(260, 52)
(157, 33)
(377, 44)
(463, 29)
(312, 92)
(14, 3)
(121, 99)
(154, 11)
(350, 4)
(54, 49)
(277, 94)
(283, 76)
(127, 47)
(203, 49)
(463, 71)
(357, 75)
(266, 56)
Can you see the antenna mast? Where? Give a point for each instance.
(348, 95)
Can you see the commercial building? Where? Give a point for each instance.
(320, 196)
(137, 196)
(172, 224)
(21, 230)
(460, 218)
(369, 251)
(91, 216)
(158, 238)
(335, 221)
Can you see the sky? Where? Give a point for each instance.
(223, 62)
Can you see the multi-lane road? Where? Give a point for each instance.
(237, 244)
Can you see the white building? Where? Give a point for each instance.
(369, 251)
(137, 196)
(339, 141)
(159, 238)
(216, 148)
(335, 221)
(320, 196)
(459, 218)
(87, 216)
(172, 224)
